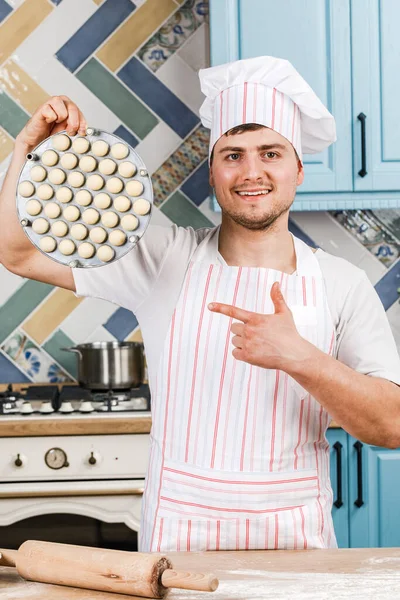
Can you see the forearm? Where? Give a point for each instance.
(14, 244)
(366, 407)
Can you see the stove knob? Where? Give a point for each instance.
(18, 462)
(92, 459)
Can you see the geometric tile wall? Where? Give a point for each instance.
(131, 66)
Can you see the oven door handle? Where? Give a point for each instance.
(95, 489)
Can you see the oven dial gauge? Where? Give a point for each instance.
(56, 458)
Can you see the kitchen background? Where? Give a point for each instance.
(132, 69)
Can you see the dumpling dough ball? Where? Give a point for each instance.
(71, 213)
(48, 244)
(40, 225)
(79, 231)
(83, 198)
(52, 210)
(45, 191)
(119, 151)
(105, 253)
(57, 176)
(33, 207)
(88, 164)
(38, 173)
(64, 195)
(76, 179)
(117, 238)
(81, 145)
(100, 148)
(107, 166)
(127, 169)
(134, 188)
(26, 189)
(122, 203)
(102, 200)
(61, 142)
(130, 222)
(59, 228)
(95, 182)
(90, 216)
(49, 158)
(114, 185)
(109, 219)
(98, 235)
(67, 247)
(86, 250)
(69, 161)
(141, 206)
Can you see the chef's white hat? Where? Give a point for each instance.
(267, 91)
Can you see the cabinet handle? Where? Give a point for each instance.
(359, 502)
(363, 171)
(338, 447)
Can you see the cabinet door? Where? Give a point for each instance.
(337, 439)
(375, 59)
(377, 522)
(315, 37)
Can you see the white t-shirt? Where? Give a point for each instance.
(148, 281)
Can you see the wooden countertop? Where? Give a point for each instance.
(367, 573)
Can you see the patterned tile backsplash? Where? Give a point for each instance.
(131, 66)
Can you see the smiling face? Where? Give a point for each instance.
(255, 175)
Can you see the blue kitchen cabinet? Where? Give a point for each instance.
(339, 471)
(349, 52)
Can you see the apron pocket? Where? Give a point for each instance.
(193, 492)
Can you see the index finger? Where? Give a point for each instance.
(230, 311)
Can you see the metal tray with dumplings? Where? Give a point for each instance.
(84, 201)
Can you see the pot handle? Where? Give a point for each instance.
(73, 349)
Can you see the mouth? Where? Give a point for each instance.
(251, 195)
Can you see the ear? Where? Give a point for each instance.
(300, 173)
(211, 177)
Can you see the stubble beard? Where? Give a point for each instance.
(257, 223)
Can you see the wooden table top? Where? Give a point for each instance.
(367, 573)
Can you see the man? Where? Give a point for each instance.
(239, 458)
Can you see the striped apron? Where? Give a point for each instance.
(239, 459)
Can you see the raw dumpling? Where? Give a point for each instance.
(105, 253)
(64, 195)
(61, 142)
(127, 169)
(100, 148)
(86, 250)
(45, 191)
(107, 166)
(40, 225)
(71, 213)
(102, 200)
(33, 207)
(95, 182)
(48, 244)
(122, 203)
(67, 247)
(117, 237)
(130, 222)
(26, 189)
(81, 145)
(76, 179)
(38, 173)
(90, 216)
(49, 158)
(69, 161)
(134, 188)
(52, 210)
(114, 185)
(98, 235)
(119, 151)
(141, 206)
(109, 219)
(88, 164)
(57, 176)
(79, 231)
(83, 197)
(59, 228)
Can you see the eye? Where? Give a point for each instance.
(233, 156)
(271, 154)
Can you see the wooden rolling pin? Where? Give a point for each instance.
(139, 574)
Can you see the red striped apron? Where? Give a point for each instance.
(239, 459)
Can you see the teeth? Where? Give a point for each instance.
(262, 192)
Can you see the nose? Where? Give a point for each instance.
(253, 168)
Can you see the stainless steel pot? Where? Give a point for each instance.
(109, 365)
